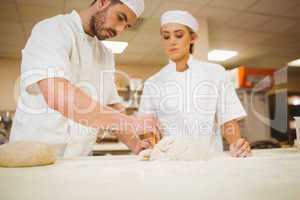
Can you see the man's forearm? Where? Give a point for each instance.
(119, 107)
(127, 138)
(73, 103)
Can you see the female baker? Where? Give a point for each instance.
(189, 96)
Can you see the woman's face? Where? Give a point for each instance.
(176, 40)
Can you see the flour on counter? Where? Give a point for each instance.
(180, 148)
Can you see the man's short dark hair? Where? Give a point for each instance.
(112, 2)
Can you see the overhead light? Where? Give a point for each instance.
(115, 46)
(221, 55)
(295, 63)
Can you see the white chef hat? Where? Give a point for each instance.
(137, 6)
(180, 17)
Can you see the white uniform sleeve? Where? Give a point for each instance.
(229, 105)
(147, 105)
(45, 55)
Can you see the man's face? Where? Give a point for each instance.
(112, 21)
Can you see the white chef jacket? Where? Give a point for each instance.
(194, 102)
(59, 47)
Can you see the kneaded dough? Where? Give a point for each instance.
(26, 154)
(179, 148)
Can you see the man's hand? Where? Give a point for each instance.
(240, 148)
(135, 144)
(141, 145)
(150, 124)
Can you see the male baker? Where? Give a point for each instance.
(67, 81)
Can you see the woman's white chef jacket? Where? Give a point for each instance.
(194, 102)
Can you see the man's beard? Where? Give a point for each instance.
(97, 26)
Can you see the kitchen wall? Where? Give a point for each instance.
(9, 73)
(143, 72)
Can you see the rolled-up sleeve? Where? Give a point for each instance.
(46, 55)
(229, 105)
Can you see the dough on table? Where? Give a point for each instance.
(179, 148)
(26, 154)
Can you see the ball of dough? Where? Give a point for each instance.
(26, 154)
(179, 148)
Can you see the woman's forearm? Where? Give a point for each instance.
(231, 131)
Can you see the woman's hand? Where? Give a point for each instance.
(240, 148)
(150, 124)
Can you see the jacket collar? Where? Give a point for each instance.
(189, 62)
